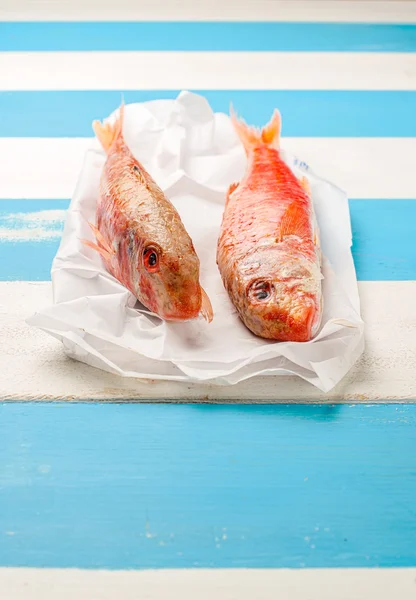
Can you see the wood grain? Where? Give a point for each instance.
(111, 486)
(206, 584)
(370, 11)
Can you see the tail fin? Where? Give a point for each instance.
(107, 133)
(251, 136)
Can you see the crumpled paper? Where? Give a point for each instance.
(194, 155)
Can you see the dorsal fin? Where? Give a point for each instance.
(107, 133)
(304, 182)
(232, 189)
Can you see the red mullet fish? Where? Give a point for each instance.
(140, 235)
(268, 250)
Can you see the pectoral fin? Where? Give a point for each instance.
(102, 246)
(295, 221)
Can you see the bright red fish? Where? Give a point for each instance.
(268, 250)
(141, 237)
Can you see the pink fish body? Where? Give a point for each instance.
(268, 249)
(141, 237)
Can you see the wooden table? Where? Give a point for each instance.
(273, 489)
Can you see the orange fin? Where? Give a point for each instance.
(316, 235)
(102, 245)
(252, 136)
(101, 240)
(206, 307)
(295, 221)
(108, 133)
(304, 182)
(270, 134)
(230, 190)
(101, 251)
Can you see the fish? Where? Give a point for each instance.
(268, 251)
(141, 237)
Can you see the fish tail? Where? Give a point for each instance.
(108, 133)
(252, 136)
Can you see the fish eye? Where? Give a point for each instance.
(260, 290)
(151, 259)
(136, 169)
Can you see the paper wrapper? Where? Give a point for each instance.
(194, 155)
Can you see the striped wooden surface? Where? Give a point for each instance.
(321, 497)
(309, 500)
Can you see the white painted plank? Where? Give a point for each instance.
(40, 167)
(206, 584)
(34, 366)
(365, 167)
(21, 71)
(372, 11)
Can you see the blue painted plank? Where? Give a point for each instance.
(383, 239)
(254, 36)
(383, 232)
(30, 234)
(135, 486)
(306, 113)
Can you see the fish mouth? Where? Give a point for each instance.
(302, 329)
(285, 327)
(179, 319)
(181, 316)
(188, 311)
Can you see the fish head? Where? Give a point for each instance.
(169, 280)
(283, 300)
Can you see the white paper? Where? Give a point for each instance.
(194, 155)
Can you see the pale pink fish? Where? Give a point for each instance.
(141, 237)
